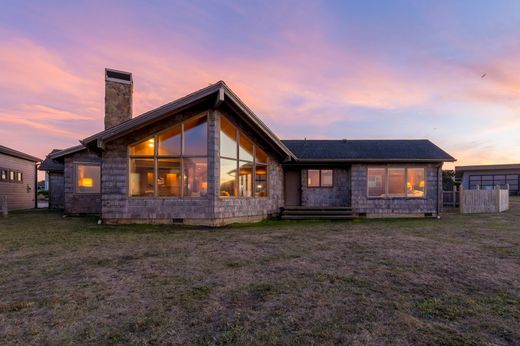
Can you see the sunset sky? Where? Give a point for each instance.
(448, 71)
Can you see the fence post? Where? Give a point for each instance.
(478, 187)
(454, 196)
(461, 199)
(3, 205)
(497, 197)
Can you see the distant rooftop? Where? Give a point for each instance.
(487, 167)
(18, 154)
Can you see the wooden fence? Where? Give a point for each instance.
(484, 201)
(451, 198)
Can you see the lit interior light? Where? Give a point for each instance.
(86, 182)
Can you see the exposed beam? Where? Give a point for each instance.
(220, 98)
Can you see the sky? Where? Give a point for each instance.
(448, 71)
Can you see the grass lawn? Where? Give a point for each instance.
(422, 281)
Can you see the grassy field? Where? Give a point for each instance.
(423, 281)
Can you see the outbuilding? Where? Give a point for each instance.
(18, 178)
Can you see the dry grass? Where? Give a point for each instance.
(449, 281)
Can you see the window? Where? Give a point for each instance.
(195, 177)
(415, 182)
(326, 177)
(19, 177)
(376, 182)
(238, 154)
(196, 137)
(3, 174)
(11, 175)
(172, 163)
(319, 178)
(169, 177)
(396, 182)
(142, 177)
(88, 178)
(313, 178)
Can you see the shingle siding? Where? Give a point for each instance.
(336, 196)
(79, 203)
(56, 190)
(398, 206)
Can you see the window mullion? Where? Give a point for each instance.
(253, 175)
(406, 182)
(386, 182)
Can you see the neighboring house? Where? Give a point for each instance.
(208, 159)
(18, 178)
(489, 176)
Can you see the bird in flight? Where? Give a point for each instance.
(484, 75)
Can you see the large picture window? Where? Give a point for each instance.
(243, 165)
(88, 178)
(396, 182)
(173, 163)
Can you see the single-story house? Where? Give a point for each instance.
(489, 176)
(18, 178)
(207, 159)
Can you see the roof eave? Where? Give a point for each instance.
(379, 160)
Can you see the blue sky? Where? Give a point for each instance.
(317, 69)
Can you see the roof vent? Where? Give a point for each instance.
(118, 76)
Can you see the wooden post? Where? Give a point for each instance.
(3, 205)
(454, 196)
(497, 198)
(478, 187)
(461, 199)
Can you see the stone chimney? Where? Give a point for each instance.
(118, 97)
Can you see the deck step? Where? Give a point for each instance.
(317, 217)
(316, 213)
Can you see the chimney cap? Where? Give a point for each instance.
(118, 76)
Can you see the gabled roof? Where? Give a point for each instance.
(487, 167)
(417, 150)
(50, 164)
(61, 153)
(218, 93)
(18, 154)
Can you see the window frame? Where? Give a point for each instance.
(238, 161)
(320, 184)
(6, 174)
(156, 157)
(19, 173)
(75, 176)
(406, 196)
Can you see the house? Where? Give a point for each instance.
(207, 159)
(489, 176)
(18, 178)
